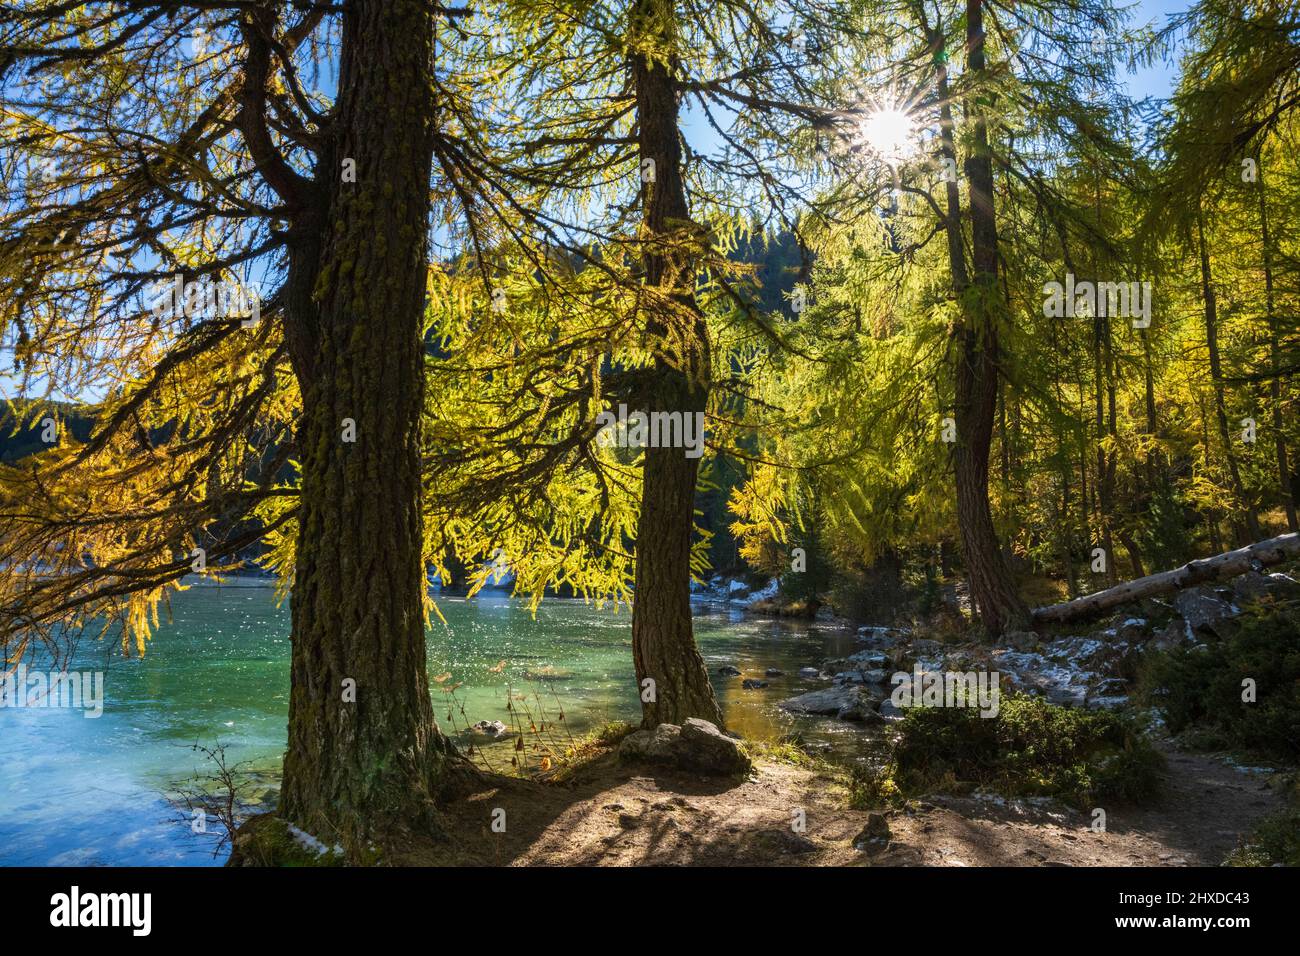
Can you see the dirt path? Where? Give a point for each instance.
(619, 815)
(1207, 807)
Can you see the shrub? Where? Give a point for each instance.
(1275, 840)
(1030, 748)
(1199, 690)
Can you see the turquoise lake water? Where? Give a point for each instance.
(79, 791)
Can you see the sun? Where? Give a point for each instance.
(890, 133)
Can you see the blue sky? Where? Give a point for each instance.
(1158, 79)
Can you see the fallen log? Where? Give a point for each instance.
(1227, 565)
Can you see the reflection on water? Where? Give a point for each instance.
(89, 791)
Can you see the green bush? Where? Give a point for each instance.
(1275, 840)
(1199, 691)
(1031, 748)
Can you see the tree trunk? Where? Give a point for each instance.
(663, 638)
(365, 752)
(1219, 567)
(993, 590)
(1275, 383)
(1251, 529)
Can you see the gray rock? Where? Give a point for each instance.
(1106, 703)
(809, 672)
(750, 684)
(1110, 693)
(1061, 673)
(1020, 640)
(881, 637)
(1093, 652)
(1067, 695)
(1253, 587)
(875, 835)
(890, 711)
(773, 672)
(696, 744)
(1173, 634)
(845, 701)
(1155, 607)
(863, 710)
(707, 748)
(662, 743)
(490, 728)
(1132, 630)
(726, 670)
(1203, 610)
(862, 660)
(877, 676)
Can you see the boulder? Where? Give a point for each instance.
(889, 711)
(809, 672)
(1174, 633)
(660, 744)
(490, 728)
(1203, 610)
(707, 748)
(875, 835)
(877, 676)
(1254, 587)
(750, 684)
(845, 701)
(696, 744)
(727, 670)
(773, 672)
(737, 589)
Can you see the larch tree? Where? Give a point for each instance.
(644, 297)
(944, 217)
(215, 146)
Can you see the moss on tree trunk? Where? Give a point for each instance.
(364, 751)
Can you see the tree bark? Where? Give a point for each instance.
(1251, 528)
(365, 753)
(1230, 564)
(993, 590)
(663, 638)
(1275, 382)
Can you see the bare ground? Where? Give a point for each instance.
(612, 814)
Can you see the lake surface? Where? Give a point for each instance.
(82, 791)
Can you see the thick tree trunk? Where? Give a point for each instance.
(977, 373)
(364, 750)
(663, 638)
(1262, 553)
